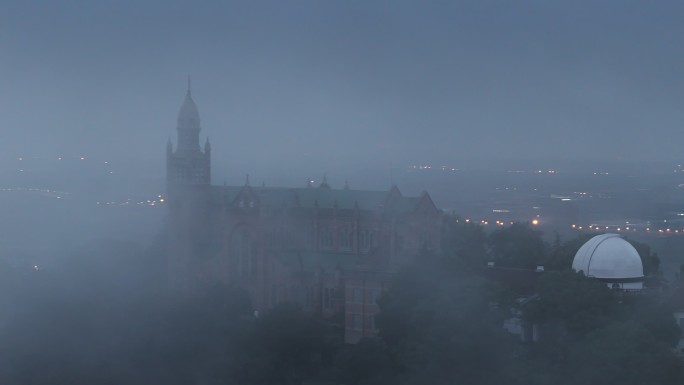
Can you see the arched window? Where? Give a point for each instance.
(364, 240)
(326, 238)
(244, 251)
(345, 239)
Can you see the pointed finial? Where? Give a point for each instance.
(324, 184)
(189, 85)
(247, 179)
(346, 184)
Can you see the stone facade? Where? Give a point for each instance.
(330, 250)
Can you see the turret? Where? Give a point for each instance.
(188, 124)
(188, 164)
(207, 147)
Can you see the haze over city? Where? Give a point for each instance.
(324, 85)
(341, 192)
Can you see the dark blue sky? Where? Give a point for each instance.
(322, 84)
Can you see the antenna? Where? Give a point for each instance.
(391, 174)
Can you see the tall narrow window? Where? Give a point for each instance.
(326, 238)
(357, 295)
(326, 298)
(371, 322)
(364, 240)
(345, 239)
(356, 321)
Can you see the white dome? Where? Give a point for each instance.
(608, 256)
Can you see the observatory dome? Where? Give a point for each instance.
(610, 258)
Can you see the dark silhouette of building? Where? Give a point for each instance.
(331, 250)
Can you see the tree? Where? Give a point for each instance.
(649, 259)
(622, 353)
(517, 245)
(440, 327)
(568, 298)
(465, 241)
(561, 254)
(285, 346)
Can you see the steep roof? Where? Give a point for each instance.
(319, 197)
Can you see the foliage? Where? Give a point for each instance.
(95, 320)
(581, 304)
(561, 254)
(517, 245)
(649, 259)
(440, 326)
(465, 241)
(622, 353)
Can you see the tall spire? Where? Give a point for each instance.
(189, 93)
(188, 124)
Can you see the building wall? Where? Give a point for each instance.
(679, 318)
(234, 235)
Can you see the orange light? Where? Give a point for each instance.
(535, 222)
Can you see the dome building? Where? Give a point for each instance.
(611, 259)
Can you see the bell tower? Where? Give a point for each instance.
(188, 165)
(188, 180)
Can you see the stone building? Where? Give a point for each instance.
(330, 250)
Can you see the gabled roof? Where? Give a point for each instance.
(323, 198)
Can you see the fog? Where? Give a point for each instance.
(394, 192)
(344, 83)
